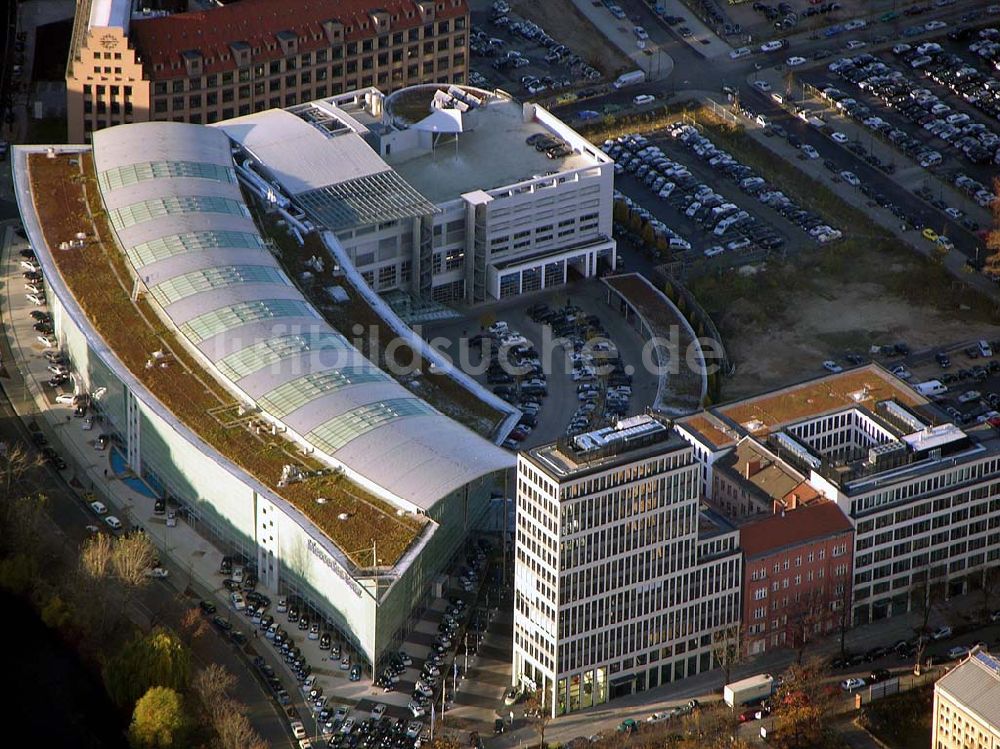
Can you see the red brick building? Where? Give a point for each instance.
(796, 575)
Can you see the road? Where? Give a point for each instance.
(158, 603)
(693, 72)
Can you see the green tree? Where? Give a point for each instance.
(648, 235)
(156, 659)
(56, 614)
(620, 212)
(158, 721)
(17, 574)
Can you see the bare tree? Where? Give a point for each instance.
(727, 649)
(538, 710)
(804, 620)
(16, 461)
(214, 685)
(133, 557)
(96, 556)
(924, 596)
(234, 729)
(989, 589)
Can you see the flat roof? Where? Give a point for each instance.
(864, 386)
(492, 155)
(562, 461)
(975, 685)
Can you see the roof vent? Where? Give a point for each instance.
(321, 500)
(343, 516)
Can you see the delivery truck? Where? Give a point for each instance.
(750, 689)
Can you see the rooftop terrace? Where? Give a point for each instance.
(858, 387)
(66, 201)
(452, 169)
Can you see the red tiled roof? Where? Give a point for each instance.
(810, 523)
(161, 40)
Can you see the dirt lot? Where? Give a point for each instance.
(781, 322)
(561, 20)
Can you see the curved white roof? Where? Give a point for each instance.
(172, 197)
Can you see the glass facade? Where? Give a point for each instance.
(226, 318)
(131, 174)
(208, 279)
(293, 395)
(246, 361)
(196, 241)
(147, 210)
(340, 430)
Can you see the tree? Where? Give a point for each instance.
(158, 721)
(989, 589)
(132, 558)
(801, 706)
(924, 597)
(538, 709)
(804, 619)
(56, 614)
(991, 265)
(234, 729)
(727, 649)
(648, 235)
(156, 659)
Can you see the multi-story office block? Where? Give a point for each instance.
(967, 705)
(213, 62)
(621, 577)
(922, 493)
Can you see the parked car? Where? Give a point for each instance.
(849, 685)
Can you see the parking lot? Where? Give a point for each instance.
(971, 374)
(571, 360)
(345, 703)
(512, 52)
(736, 220)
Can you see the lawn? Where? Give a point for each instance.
(901, 721)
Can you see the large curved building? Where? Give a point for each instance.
(220, 380)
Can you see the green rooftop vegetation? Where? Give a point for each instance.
(445, 393)
(67, 201)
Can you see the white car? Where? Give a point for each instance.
(959, 651)
(941, 633)
(795, 61)
(849, 685)
(114, 523)
(762, 86)
(298, 730)
(239, 603)
(739, 52)
(855, 44)
(850, 178)
(35, 299)
(378, 711)
(66, 399)
(809, 152)
(935, 25)
(99, 508)
(772, 46)
(969, 396)
(839, 137)
(643, 99)
(157, 572)
(832, 366)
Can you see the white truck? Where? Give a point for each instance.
(750, 689)
(931, 388)
(630, 79)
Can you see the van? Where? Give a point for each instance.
(931, 388)
(984, 349)
(630, 79)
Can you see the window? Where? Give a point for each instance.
(760, 594)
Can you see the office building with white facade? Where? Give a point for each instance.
(435, 191)
(621, 576)
(967, 704)
(219, 383)
(922, 493)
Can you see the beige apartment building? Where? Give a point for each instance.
(212, 62)
(967, 705)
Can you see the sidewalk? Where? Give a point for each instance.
(658, 65)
